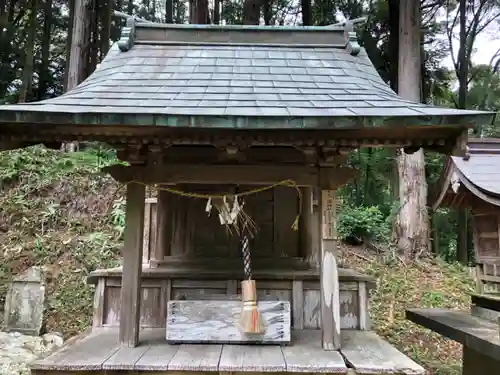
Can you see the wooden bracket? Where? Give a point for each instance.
(134, 153)
(332, 156)
(155, 155)
(310, 153)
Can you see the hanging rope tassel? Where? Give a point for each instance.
(251, 320)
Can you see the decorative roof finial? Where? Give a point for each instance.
(351, 38)
(127, 37)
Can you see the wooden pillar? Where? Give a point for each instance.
(149, 236)
(132, 266)
(308, 226)
(163, 226)
(329, 278)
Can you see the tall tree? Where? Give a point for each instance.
(412, 222)
(251, 12)
(27, 79)
(77, 64)
(44, 75)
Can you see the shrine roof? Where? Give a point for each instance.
(236, 77)
(478, 172)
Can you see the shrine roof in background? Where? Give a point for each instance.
(477, 173)
(195, 77)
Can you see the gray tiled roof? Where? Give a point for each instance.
(225, 82)
(478, 173)
(482, 168)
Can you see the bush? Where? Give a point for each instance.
(361, 222)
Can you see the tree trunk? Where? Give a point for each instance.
(462, 75)
(306, 12)
(78, 57)
(106, 12)
(27, 79)
(198, 12)
(393, 79)
(169, 11)
(71, 18)
(44, 66)
(251, 12)
(92, 37)
(462, 243)
(267, 11)
(412, 224)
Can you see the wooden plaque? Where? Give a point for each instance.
(216, 322)
(328, 206)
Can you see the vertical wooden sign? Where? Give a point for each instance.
(328, 205)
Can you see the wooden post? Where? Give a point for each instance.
(163, 226)
(330, 291)
(308, 228)
(132, 266)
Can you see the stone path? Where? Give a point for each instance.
(17, 351)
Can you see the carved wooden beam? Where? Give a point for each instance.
(328, 177)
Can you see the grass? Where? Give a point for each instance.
(60, 212)
(425, 284)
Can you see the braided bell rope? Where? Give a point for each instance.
(247, 260)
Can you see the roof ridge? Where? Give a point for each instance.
(349, 42)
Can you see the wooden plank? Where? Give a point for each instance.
(163, 225)
(153, 233)
(285, 209)
(216, 322)
(89, 354)
(165, 296)
(480, 312)
(330, 291)
(491, 302)
(252, 358)
(367, 353)
(306, 228)
(157, 357)
(298, 304)
(231, 287)
(125, 358)
(98, 313)
(306, 355)
(302, 175)
(363, 307)
(478, 334)
(132, 266)
(146, 237)
(196, 358)
(310, 276)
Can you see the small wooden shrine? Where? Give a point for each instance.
(470, 181)
(473, 182)
(207, 114)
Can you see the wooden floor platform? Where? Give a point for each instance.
(363, 353)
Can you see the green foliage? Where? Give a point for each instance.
(363, 222)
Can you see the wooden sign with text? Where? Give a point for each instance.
(328, 203)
